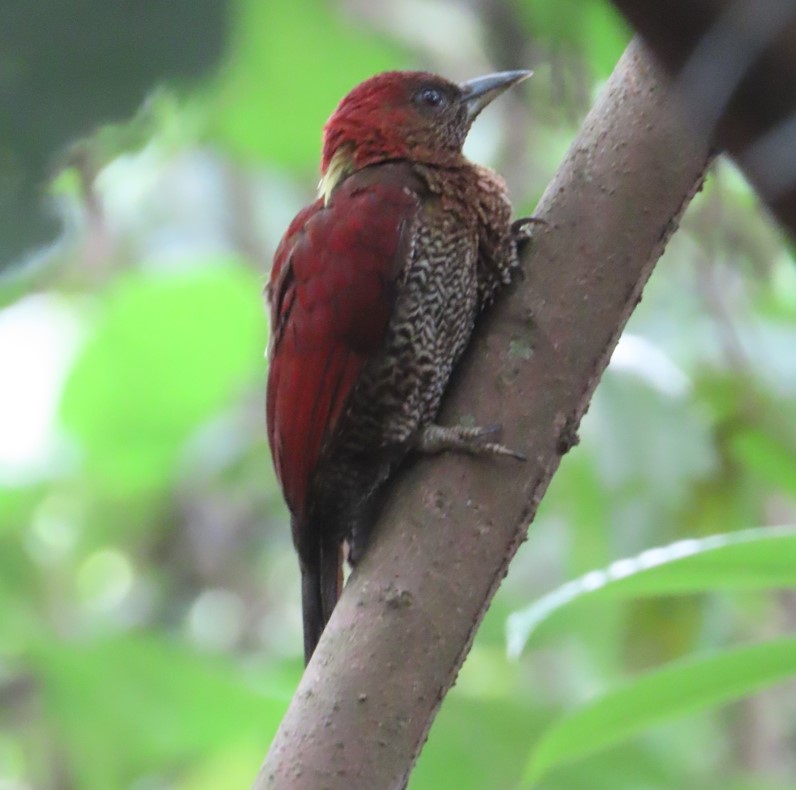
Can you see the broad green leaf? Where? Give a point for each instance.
(753, 559)
(678, 689)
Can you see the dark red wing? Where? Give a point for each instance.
(331, 293)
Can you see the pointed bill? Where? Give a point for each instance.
(477, 93)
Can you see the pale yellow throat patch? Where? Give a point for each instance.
(341, 166)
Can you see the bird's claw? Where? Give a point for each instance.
(522, 230)
(459, 438)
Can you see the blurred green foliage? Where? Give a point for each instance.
(165, 355)
(271, 104)
(150, 631)
(683, 687)
(66, 68)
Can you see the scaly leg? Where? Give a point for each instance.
(476, 441)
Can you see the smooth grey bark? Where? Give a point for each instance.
(409, 613)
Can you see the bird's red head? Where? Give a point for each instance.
(405, 115)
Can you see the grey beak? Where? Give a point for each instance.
(477, 93)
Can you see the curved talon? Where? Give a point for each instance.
(438, 438)
(522, 232)
(520, 224)
(499, 449)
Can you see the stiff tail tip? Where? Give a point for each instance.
(321, 583)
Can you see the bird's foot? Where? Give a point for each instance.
(522, 231)
(458, 438)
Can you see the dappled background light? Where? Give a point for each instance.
(150, 627)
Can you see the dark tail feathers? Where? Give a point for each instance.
(321, 582)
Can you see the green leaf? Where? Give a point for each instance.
(755, 559)
(684, 687)
(168, 352)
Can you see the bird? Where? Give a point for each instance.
(374, 293)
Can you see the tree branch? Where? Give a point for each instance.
(735, 61)
(409, 613)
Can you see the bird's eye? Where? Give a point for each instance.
(430, 97)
